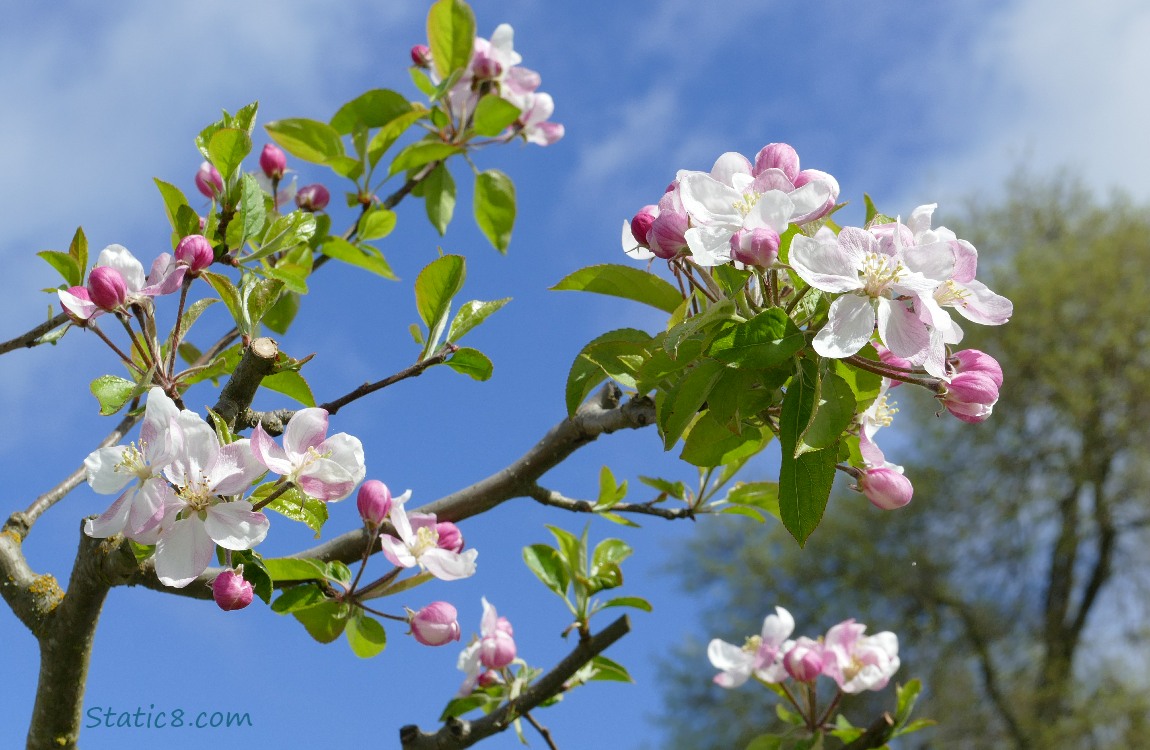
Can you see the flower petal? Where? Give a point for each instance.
(268, 452)
(447, 565)
(235, 525)
(234, 469)
(821, 262)
(100, 470)
(848, 329)
(183, 552)
(306, 429)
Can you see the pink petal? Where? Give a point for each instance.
(307, 429)
(183, 552)
(269, 453)
(235, 526)
(848, 329)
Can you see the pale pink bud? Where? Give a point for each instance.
(373, 501)
(667, 234)
(641, 223)
(231, 591)
(814, 175)
(421, 56)
(780, 156)
(312, 197)
(79, 310)
(208, 181)
(972, 360)
(195, 252)
(106, 288)
(435, 625)
(885, 488)
(804, 661)
(489, 677)
(485, 67)
(973, 388)
(497, 649)
(273, 161)
(756, 247)
(450, 537)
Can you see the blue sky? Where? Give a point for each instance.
(911, 102)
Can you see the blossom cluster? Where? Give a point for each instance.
(491, 652)
(494, 68)
(856, 662)
(890, 284)
(181, 489)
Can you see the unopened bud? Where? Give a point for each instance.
(421, 56)
(886, 488)
(373, 502)
(208, 181)
(312, 197)
(273, 162)
(195, 252)
(106, 288)
(485, 68)
(781, 156)
(435, 625)
(804, 661)
(231, 591)
(641, 223)
(449, 536)
(755, 247)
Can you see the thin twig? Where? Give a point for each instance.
(544, 732)
(556, 500)
(32, 337)
(415, 370)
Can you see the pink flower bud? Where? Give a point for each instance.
(78, 304)
(435, 625)
(832, 185)
(489, 677)
(641, 223)
(973, 389)
(421, 56)
(231, 591)
(497, 649)
(756, 247)
(484, 67)
(273, 162)
(450, 537)
(106, 288)
(886, 488)
(195, 252)
(208, 181)
(804, 661)
(780, 156)
(312, 197)
(373, 501)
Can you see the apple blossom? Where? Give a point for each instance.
(495, 648)
(208, 181)
(761, 655)
(885, 486)
(421, 56)
(203, 472)
(856, 662)
(804, 659)
(420, 546)
(141, 508)
(195, 252)
(450, 537)
(106, 288)
(973, 388)
(436, 624)
(231, 591)
(78, 305)
(326, 468)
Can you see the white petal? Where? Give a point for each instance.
(100, 469)
(820, 262)
(449, 566)
(734, 663)
(710, 245)
(900, 330)
(772, 210)
(183, 552)
(111, 521)
(119, 258)
(848, 329)
(268, 452)
(633, 248)
(397, 552)
(709, 201)
(728, 165)
(234, 469)
(306, 429)
(347, 451)
(235, 525)
(778, 627)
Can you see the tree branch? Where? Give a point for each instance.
(876, 735)
(257, 363)
(31, 338)
(460, 733)
(415, 370)
(556, 500)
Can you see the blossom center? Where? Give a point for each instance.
(132, 462)
(879, 271)
(746, 203)
(426, 537)
(884, 411)
(197, 494)
(951, 294)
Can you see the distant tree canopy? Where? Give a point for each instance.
(1014, 579)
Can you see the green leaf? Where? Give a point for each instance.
(252, 207)
(623, 281)
(338, 571)
(78, 249)
(761, 495)
(112, 392)
(698, 327)
(256, 297)
(188, 222)
(376, 224)
(435, 287)
(804, 480)
(586, 374)
(297, 506)
(438, 190)
(607, 553)
(710, 443)
(834, 413)
(865, 385)
(388, 134)
(680, 405)
(610, 493)
(371, 109)
(470, 315)
(548, 566)
(608, 670)
(676, 490)
(871, 211)
(493, 114)
(295, 569)
(325, 621)
(471, 362)
(65, 265)
(297, 598)
(766, 742)
(192, 314)
(228, 293)
(770, 339)
(284, 233)
(450, 35)
(907, 697)
(494, 207)
(305, 139)
(366, 636)
(290, 384)
(227, 149)
(421, 153)
(361, 256)
(637, 602)
(572, 549)
(280, 315)
(173, 199)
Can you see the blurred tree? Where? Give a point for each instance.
(1014, 580)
